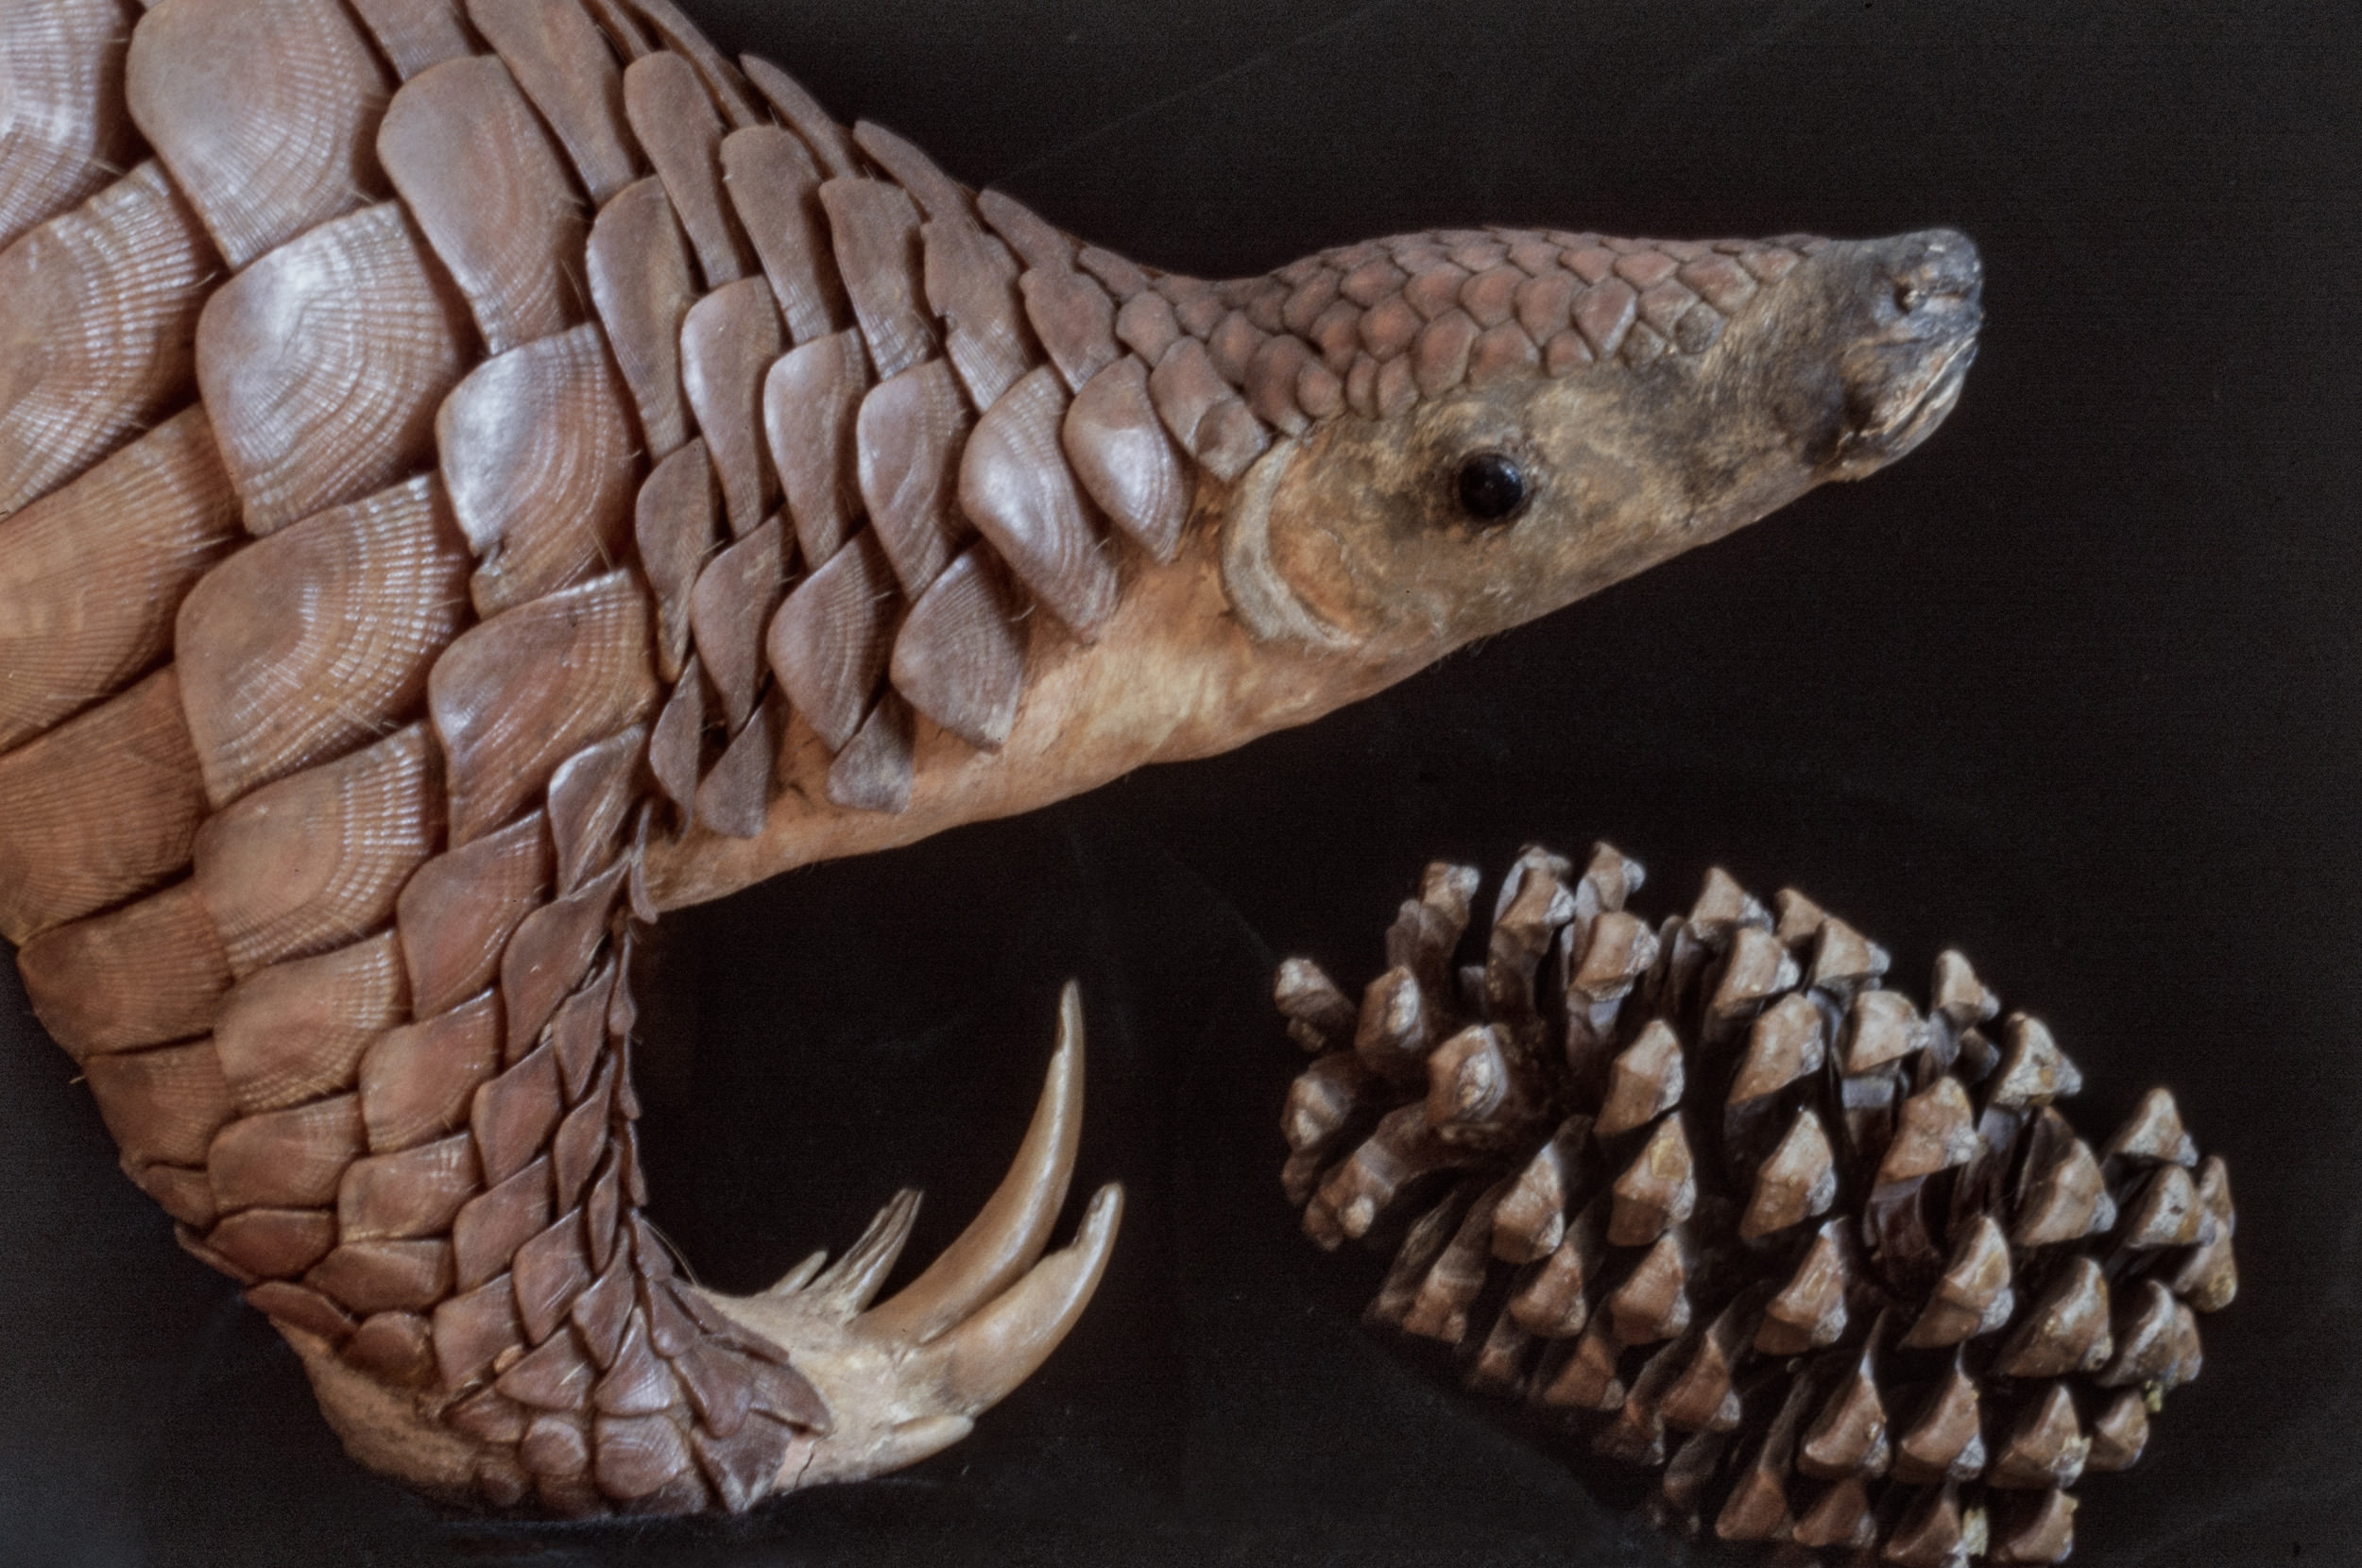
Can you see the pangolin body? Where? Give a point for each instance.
(474, 476)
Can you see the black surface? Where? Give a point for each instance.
(2074, 688)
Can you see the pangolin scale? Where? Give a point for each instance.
(474, 476)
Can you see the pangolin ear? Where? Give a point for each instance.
(1259, 595)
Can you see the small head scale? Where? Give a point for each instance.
(1682, 391)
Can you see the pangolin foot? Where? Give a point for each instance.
(907, 1378)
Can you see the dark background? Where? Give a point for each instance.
(2074, 688)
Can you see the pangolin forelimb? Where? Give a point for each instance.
(894, 1382)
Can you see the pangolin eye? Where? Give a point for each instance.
(1490, 486)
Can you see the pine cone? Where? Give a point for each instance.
(1838, 1268)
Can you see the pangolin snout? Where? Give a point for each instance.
(1918, 305)
(1938, 278)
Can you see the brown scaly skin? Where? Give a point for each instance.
(902, 1380)
(318, 813)
(1335, 565)
(1339, 563)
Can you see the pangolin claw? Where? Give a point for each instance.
(852, 1282)
(906, 1378)
(1011, 1230)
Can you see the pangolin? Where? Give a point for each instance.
(477, 474)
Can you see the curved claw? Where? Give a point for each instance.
(906, 1379)
(895, 1401)
(799, 1276)
(976, 1365)
(853, 1282)
(1013, 1227)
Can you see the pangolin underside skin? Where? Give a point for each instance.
(475, 476)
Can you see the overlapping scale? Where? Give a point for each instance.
(550, 953)
(274, 1243)
(275, 681)
(1015, 486)
(830, 642)
(971, 286)
(734, 796)
(676, 526)
(909, 433)
(728, 609)
(488, 1228)
(1202, 413)
(162, 1106)
(728, 340)
(183, 1192)
(102, 303)
(555, 51)
(413, 1193)
(264, 110)
(417, 1081)
(457, 911)
(677, 740)
(1123, 279)
(103, 807)
(395, 1346)
(316, 859)
(472, 1329)
(146, 974)
(674, 118)
(937, 193)
(299, 1306)
(539, 461)
(513, 1115)
(552, 1270)
(289, 1158)
(960, 656)
(832, 146)
(323, 364)
(90, 576)
(874, 229)
(639, 266)
(385, 1276)
(618, 20)
(671, 29)
(1037, 243)
(774, 186)
(811, 402)
(483, 183)
(1146, 325)
(1075, 319)
(591, 796)
(514, 696)
(1123, 457)
(63, 127)
(297, 1031)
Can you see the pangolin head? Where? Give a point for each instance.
(1385, 541)
(1404, 445)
